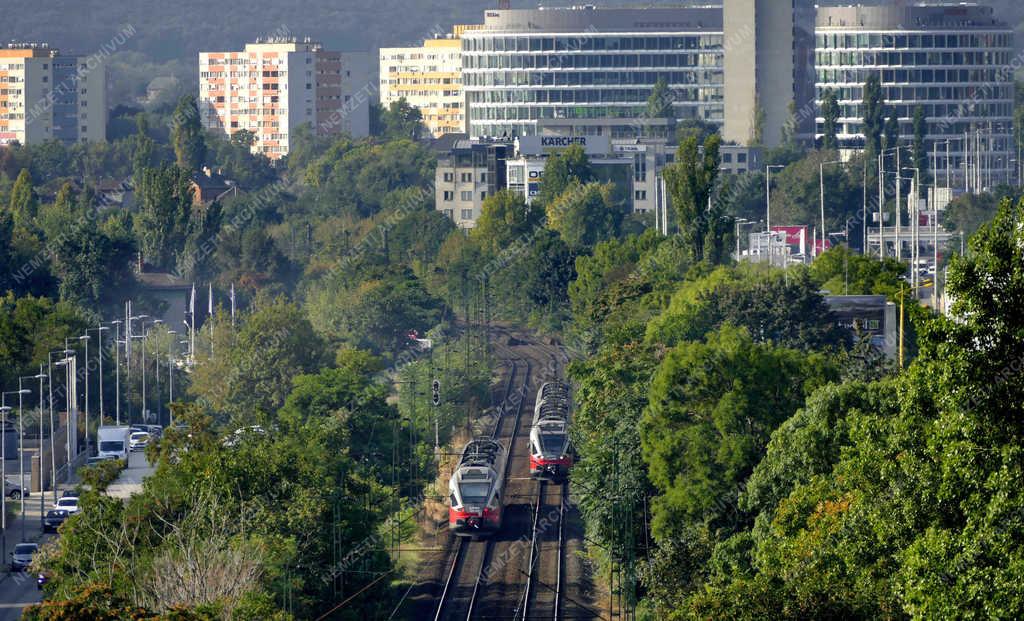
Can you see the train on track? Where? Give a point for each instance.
(475, 489)
(550, 450)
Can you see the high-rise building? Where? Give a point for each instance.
(275, 86)
(588, 64)
(45, 96)
(428, 77)
(769, 70)
(955, 62)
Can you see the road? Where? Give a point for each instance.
(18, 589)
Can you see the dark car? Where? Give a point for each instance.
(53, 519)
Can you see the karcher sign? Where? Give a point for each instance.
(540, 145)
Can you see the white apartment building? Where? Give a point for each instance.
(276, 85)
(45, 96)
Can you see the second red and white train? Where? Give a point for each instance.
(550, 449)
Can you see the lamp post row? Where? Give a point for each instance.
(67, 358)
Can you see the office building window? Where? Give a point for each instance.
(467, 195)
(449, 196)
(640, 195)
(467, 214)
(449, 177)
(467, 177)
(449, 213)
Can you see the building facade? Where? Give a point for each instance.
(769, 70)
(428, 77)
(275, 86)
(46, 96)
(466, 175)
(954, 61)
(583, 63)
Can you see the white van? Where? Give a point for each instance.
(113, 442)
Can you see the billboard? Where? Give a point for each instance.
(796, 238)
(541, 145)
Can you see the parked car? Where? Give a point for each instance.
(22, 555)
(12, 490)
(68, 503)
(53, 519)
(139, 440)
(155, 431)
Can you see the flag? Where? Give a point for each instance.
(192, 306)
(211, 299)
(232, 303)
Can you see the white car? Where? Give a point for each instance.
(67, 503)
(139, 440)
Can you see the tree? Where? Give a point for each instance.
(401, 120)
(560, 171)
(874, 115)
(251, 374)
(830, 110)
(967, 213)
(712, 408)
(892, 132)
(785, 310)
(690, 181)
(505, 218)
(187, 135)
(584, 215)
(920, 149)
(23, 203)
(165, 205)
(659, 104)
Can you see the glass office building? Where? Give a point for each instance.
(956, 62)
(589, 63)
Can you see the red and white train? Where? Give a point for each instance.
(475, 489)
(550, 452)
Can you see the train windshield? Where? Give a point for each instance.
(552, 442)
(474, 493)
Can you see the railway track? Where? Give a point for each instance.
(468, 572)
(543, 595)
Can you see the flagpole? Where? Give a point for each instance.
(210, 310)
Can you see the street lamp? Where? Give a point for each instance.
(41, 377)
(49, 383)
(3, 457)
(117, 370)
(768, 204)
(85, 339)
(99, 330)
(821, 178)
(21, 443)
(170, 375)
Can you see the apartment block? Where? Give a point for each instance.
(467, 173)
(428, 77)
(274, 86)
(45, 96)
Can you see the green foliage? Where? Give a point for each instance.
(830, 111)
(690, 181)
(891, 132)
(504, 219)
(775, 307)
(919, 151)
(659, 104)
(712, 408)
(23, 205)
(796, 197)
(30, 328)
(251, 374)
(165, 205)
(584, 215)
(874, 114)
(967, 213)
(99, 476)
(400, 121)
(561, 171)
(841, 271)
(187, 135)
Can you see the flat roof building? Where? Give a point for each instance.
(45, 95)
(428, 77)
(523, 67)
(276, 85)
(954, 61)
